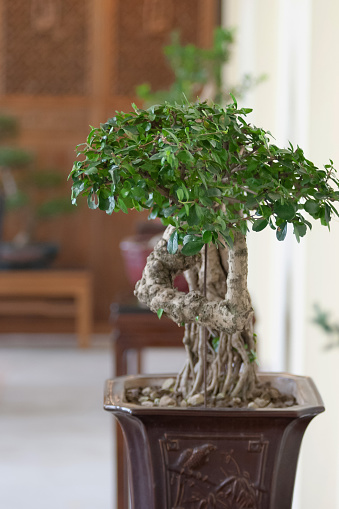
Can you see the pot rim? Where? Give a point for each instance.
(301, 387)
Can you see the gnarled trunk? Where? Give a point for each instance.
(225, 312)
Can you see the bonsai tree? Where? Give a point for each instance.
(210, 176)
(36, 193)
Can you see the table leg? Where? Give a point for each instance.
(84, 318)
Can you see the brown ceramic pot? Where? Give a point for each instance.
(204, 458)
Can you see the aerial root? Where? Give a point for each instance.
(229, 368)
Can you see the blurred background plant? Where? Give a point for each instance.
(331, 329)
(198, 72)
(25, 190)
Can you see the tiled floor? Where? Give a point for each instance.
(56, 442)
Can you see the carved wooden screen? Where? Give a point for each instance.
(68, 64)
(140, 38)
(44, 46)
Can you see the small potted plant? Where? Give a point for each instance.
(198, 71)
(32, 195)
(218, 434)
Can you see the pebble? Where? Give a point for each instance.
(220, 395)
(147, 403)
(196, 400)
(167, 384)
(142, 399)
(167, 401)
(261, 402)
(252, 404)
(236, 401)
(183, 403)
(221, 403)
(133, 393)
(146, 391)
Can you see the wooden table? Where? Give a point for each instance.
(51, 293)
(136, 328)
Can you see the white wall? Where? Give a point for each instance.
(296, 43)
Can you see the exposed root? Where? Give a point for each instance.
(231, 367)
(225, 312)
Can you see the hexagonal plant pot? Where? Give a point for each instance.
(201, 458)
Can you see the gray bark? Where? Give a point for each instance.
(226, 312)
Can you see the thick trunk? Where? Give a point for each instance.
(226, 312)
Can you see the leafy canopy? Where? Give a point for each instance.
(203, 169)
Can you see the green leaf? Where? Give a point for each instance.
(215, 343)
(222, 223)
(203, 180)
(185, 157)
(296, 233)
(122, 205)
(160, 312)
(312, 207)
(180, 194)
(190, 238)
(213, 168)
(156, 156)
(234, 100)
(192, 248)
(265, 211)
(92, 201)
(259, 224)
(327, 213)
(193, 218)
(206, 201)
(198, 210)
(111, 205)
(281, 231)
(207, 236)
(169, 211)
(228, 238)
(92, 168)
(243, 227)
(285, 211)
(214, 191)
(300, 228)
(252, 202)
(154, 213)
(77, 188)
(172, 244)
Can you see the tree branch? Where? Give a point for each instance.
(155, 289)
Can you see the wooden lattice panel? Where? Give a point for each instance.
(44, 44)
(142, 29)
(68, 64)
